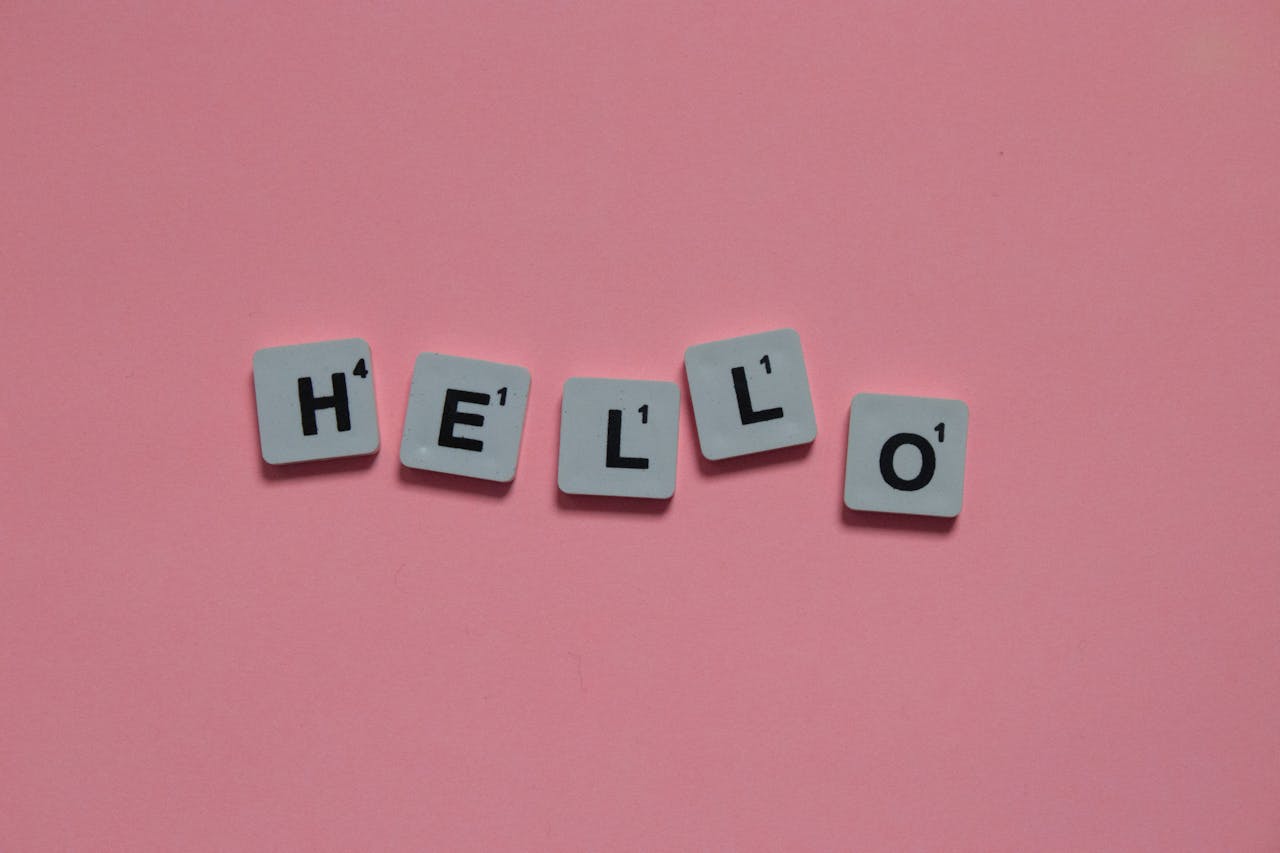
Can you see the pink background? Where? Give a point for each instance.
(1065, 214)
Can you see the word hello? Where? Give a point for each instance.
(618, 437)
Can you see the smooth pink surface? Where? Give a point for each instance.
(1064, 214)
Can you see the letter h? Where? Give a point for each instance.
(309, 403)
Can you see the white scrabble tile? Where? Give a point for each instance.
(906, 455)
(315, 401)
(465, 417)
(618, 437)
(750, 394)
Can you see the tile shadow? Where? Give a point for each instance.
(317, 468)
(856, 518)
(781, 456)
(455, 483)
(606, 503)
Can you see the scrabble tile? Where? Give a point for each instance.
(906, 455)
(465, 417)
(750, 394)
(618, 437)
(315, 401)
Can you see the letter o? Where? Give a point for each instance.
(928, 462)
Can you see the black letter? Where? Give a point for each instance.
(451, 416)
(613, 457)
(311, 404)
(927, 462)
(749, 415)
